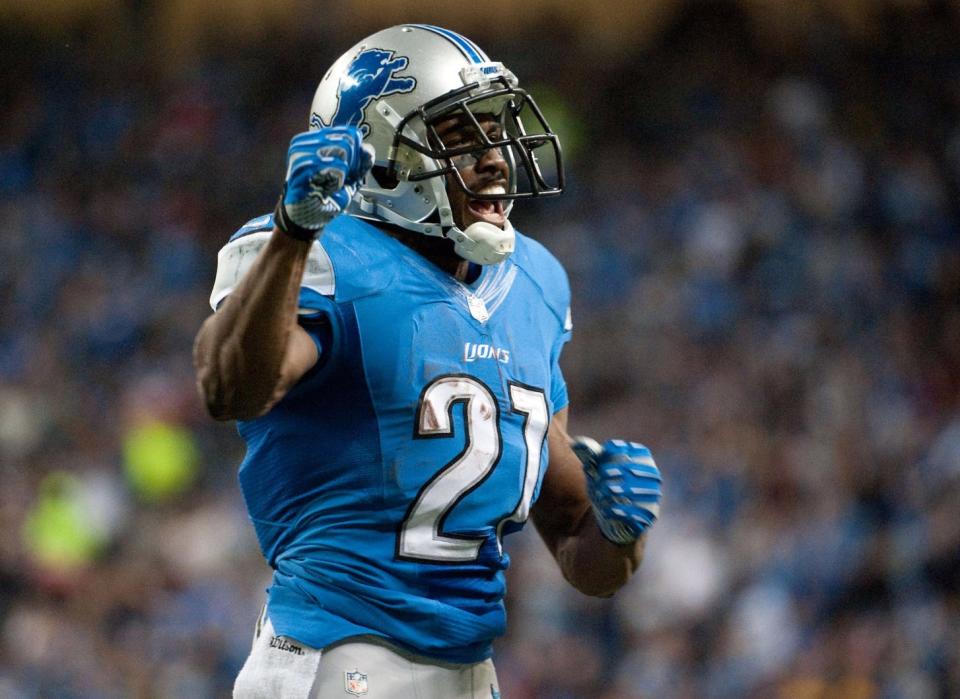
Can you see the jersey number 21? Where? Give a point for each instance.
(421, 534)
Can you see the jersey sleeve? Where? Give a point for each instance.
(546, 272)
(316, 308)
(238, 255)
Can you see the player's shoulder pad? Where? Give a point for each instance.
(364, 264)
(237, 257)
(340, 265)
(546, 272)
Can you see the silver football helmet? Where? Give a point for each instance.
(396, 86)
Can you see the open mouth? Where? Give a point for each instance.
(489, 210)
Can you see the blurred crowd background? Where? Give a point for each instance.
(761, 229)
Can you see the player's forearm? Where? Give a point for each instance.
(239, 350)
(593, 564)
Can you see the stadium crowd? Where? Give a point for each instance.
(763, 242)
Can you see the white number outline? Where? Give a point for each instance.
(420, 535)
(533, 447)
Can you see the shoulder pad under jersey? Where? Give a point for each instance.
(345, 263)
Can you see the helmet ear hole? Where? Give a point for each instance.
(384, 177)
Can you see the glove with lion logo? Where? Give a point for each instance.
(324, 169)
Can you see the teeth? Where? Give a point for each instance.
(493, 189)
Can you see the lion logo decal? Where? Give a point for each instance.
(370, 75)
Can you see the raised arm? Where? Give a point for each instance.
(568, 521)
(252, 350)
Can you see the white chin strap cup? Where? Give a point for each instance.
(484, 243)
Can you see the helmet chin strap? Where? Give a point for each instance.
(483, 243)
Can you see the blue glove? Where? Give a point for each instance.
(623, 483)
(324, 169)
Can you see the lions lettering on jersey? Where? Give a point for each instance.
(381, 485)
(473, 351)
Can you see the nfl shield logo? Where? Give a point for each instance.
(355, 683)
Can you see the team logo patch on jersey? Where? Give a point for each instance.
(355, 683)
(370, 75)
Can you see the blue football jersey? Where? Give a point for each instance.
(381, 486)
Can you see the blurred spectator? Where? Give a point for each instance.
(775, 224)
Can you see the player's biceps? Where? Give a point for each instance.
(301, 355)
(563, 467)
(563, 500)
(558, 424)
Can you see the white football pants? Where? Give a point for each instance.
(281, 668)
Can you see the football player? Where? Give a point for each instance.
(389, 346)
